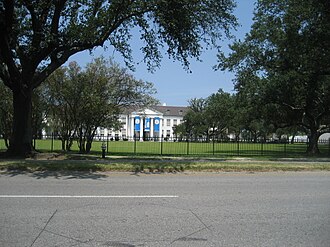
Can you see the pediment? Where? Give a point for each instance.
(146, 112)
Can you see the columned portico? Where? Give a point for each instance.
(148, 123)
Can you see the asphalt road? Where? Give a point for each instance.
(123, 210)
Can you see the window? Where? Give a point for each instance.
(168, 122)
(123, 120)
(175, 122)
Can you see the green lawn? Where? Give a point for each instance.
(185, 148)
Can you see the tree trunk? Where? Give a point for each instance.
(88, 146)
(313, 147)
(21, 142)
(6, 142)
(63, 144)
(69, 144)
(81, 141)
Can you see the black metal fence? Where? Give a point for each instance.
(185, 146)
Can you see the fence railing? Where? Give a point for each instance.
(184, 146)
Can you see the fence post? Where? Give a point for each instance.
(161, 144)
(107, 144)
(52, 142)
(329, 147)
(213, 146)
(34, 142)
(134, 144)
(262, 147)
(188, 146)
(238, 146)
(285, 148)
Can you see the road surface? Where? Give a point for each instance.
(202, 209)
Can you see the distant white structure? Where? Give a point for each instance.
(304, 138)
(325, 137)
(153, 122)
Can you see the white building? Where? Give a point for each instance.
(153, 122)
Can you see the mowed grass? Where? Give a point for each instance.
(187, 148)
(191, 148)
(157, 157)
(160, 157)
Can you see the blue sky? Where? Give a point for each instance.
(174, 85)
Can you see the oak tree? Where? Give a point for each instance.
(83, 100)
(284, 61)
(37, 37)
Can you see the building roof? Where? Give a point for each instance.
(179, 111)
(171, 110)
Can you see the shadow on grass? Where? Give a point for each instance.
(55, 174)
(54, 168)
(81, 166)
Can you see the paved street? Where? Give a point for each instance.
(123, 210)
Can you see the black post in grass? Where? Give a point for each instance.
(103, 147)
(107, 143)
(52, 142)
(161, 144)
(238, 145)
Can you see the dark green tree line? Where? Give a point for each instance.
(283, 65)
(209, 117)
(82, 100)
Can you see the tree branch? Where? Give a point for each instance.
(5, 77)
(36, 25)
(68, 50)
(292, 107)
(8, 66)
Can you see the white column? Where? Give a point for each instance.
(131, 126)
(141, 128)
(160, 127)
(152, 127)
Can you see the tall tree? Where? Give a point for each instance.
(6, 113)
(106, 90)
(219, 113)
(64, 99)
(37, 37)
(82, 100)
(253, 117)
(195, 121)
(285, 61)
(212, 115)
